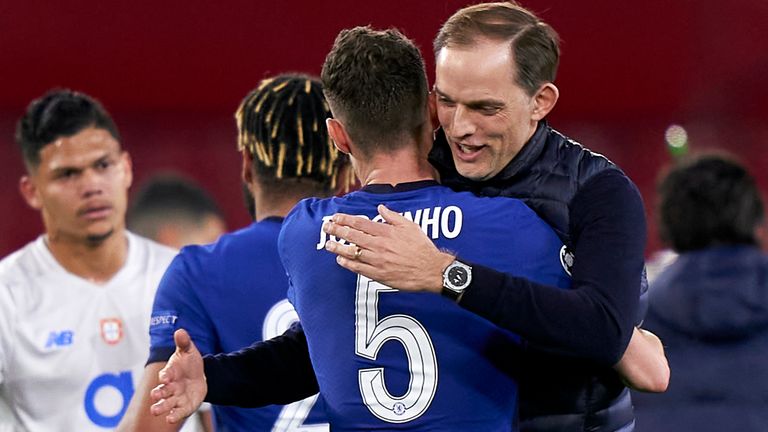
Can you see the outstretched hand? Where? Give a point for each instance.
(396, 253)
(182, 382)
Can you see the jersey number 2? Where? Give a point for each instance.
(370, 335)
(292, 416)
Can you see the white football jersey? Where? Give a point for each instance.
(71, 351)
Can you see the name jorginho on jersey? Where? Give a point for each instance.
(436, 222)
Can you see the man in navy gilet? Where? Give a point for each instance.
(497, 143)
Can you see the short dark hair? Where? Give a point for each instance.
(282, 124)
(534, 43)
(169, 197)
(706, 201)
(376, 84)
(59, 113)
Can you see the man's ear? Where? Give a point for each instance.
(339, 135)
(247, 168)
(29, 192)
(544, 101)
(432, 103)
(128, 167)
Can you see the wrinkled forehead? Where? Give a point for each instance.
(482, 70)
(79, 150)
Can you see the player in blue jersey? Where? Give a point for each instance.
(394, 163)
(232, 292)
(395, 360)
(389, 360)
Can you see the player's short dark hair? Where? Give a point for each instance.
(59, 113)
(169, 197)
(706, 201)
(376, 85)
(535, 44)
(282, 124)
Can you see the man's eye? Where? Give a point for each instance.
(101, 165)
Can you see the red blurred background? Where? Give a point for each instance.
(173, 72)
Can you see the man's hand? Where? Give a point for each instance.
(397, 253)
(644, 367)
(182, 382)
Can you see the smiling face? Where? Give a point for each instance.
(80, 186)
(487, 117)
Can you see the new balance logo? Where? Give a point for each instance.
(60, 339)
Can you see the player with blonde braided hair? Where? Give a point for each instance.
(232, 292)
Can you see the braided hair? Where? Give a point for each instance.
(282, 124)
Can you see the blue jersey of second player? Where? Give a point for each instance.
(228, 295)
(386, 359)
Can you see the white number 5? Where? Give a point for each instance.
(370, 336)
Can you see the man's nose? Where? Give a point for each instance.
(463, 125)
(91, 183)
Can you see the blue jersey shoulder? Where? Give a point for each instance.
(356, 327)
(227, 295)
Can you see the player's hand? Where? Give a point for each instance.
(644, 367)
(397, 253)
(182, 382)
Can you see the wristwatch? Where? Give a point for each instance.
(456, 278)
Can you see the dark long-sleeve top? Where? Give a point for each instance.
(275, 371)
(598, 213)
(594, 320)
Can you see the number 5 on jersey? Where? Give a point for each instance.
(370, 336)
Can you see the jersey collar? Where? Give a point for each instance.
(401, 187)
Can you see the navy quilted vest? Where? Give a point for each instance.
(557, 394)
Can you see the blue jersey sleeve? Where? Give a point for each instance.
(284, 241)
(177, 305)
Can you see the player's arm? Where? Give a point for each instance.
(644, 367)
(182, 382)
(593, 320)
(137, 417)
(275, 371)
(173, 300)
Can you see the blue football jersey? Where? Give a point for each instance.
(388, 360)
(228, 295)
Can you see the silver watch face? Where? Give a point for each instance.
(458, 276)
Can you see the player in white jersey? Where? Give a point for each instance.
(75, 303)
(71, 349)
